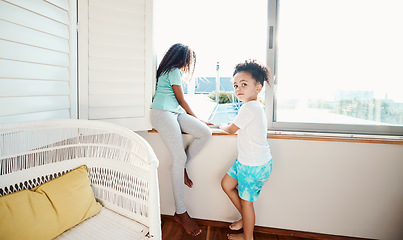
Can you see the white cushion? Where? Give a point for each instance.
(106, 225)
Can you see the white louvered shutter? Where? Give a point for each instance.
(38, 60)
(116, 69)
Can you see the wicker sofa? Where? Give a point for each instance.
(122, 168)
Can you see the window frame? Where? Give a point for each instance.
(270, 100)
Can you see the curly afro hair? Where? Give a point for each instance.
(258, 71)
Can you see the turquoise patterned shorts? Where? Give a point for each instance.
(250, 178)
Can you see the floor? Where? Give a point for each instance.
(213, 230)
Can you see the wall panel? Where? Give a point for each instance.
(38, 44)
(116, 76)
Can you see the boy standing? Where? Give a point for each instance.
(251, 170)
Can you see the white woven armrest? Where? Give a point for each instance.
(122, 165)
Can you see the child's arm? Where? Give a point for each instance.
(229, 128)
(181, 100)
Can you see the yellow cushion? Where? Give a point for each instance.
(48, 210)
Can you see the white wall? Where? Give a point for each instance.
(350, 189)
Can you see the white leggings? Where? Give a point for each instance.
(170, 126)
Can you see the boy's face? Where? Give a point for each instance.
(246, 88)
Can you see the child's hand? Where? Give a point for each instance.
(208, 123)
(229, 127)
(222, 126)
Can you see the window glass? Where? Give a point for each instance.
(222, 33)
(339, 62)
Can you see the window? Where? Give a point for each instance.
(337, 66)
(222, 33)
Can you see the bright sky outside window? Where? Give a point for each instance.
(339, 62)
(225, 31)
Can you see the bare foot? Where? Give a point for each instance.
(235, 236)
(236, 225)
(188, 182)
(187, 223)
